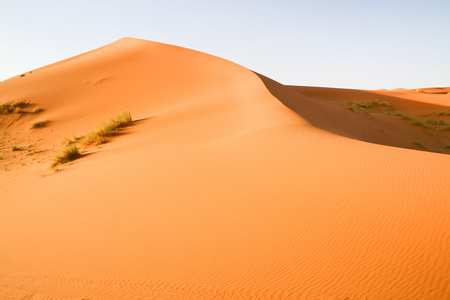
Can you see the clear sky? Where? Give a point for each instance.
(368, 44)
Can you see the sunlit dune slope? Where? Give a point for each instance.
(138, 75)
(227, 185)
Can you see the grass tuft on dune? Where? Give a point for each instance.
(96, 137)
(12, 108)
(39, 124)
(71, 153)
(370, 106)
(107, 129)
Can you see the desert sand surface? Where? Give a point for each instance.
(226, 185)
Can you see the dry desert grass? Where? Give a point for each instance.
(39, 124)
(97, 136)
(69, 154)
(437, 121)
(106, 130)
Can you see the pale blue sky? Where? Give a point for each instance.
(369, 44)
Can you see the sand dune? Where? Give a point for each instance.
(228, 185)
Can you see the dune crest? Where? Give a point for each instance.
(228, 185)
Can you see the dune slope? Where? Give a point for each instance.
(226, 186)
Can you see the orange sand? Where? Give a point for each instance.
(227, 186)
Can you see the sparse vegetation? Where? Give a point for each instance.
(6, 109)
(38, 111)
(71, 153)
(428, 121)
(124, 118)
(13, 108)
(107, 129)
(96, 137)
(15, 148)
(20, 104)
(413, 120)
(67, 141)
(443, 113)
(424, 121)
(370, 106)
(39, 124)
(435, 121)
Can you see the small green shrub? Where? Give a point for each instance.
(39, 124)
(38, 111)
(124, 119)
(93, 137)
(69, 154)
(443, 113)
(370, 106)
(413, 120)
(20, 104)
(6, 109)
(15, 148)
(68, 141)
(107, 129)
(435, 122)
(419, 122)
(13, 108)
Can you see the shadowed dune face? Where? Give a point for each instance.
(319, 107)
(227, 185)
(416, 102)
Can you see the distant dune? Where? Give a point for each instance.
(226, 184)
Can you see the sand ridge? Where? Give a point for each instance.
(227, 186)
